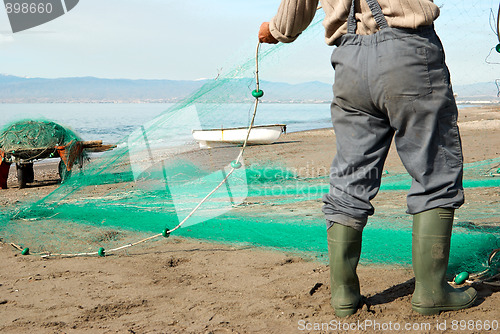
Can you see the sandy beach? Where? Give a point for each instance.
(183, 285)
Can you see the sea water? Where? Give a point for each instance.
(113, 122)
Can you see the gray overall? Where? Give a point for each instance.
(393, 83)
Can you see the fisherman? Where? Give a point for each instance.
(391, 81)
(4, 170)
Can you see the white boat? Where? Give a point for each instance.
(260, 134)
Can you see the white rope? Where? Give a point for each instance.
(235, 162)
(486, 276)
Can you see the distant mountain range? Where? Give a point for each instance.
(483, 91)
(15, 89)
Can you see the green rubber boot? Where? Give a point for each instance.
(430, 253)
(344, 249)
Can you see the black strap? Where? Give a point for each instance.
(376, 12)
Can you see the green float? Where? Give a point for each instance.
(235, 164)
(461, 278)
(101, 252)
(257, 93)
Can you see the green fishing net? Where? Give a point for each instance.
(27, 139)
(157, 176)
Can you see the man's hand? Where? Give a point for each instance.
(265, 34)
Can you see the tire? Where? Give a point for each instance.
(29, 172)
(21, 176)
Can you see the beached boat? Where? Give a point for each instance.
(260, 134)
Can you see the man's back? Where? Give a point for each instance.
(294, 16)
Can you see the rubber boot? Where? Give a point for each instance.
(430, 253)
(344, 249)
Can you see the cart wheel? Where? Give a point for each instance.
(63, 171)
(21, 176)
(29, 172)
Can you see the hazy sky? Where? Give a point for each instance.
(179, 39)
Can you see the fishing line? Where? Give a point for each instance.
(494, 23)
(496, 31)
(497, 49)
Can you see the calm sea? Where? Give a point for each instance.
(112, 122)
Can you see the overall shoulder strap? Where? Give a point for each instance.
(376, 12)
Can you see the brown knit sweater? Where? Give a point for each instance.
(294, 16)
